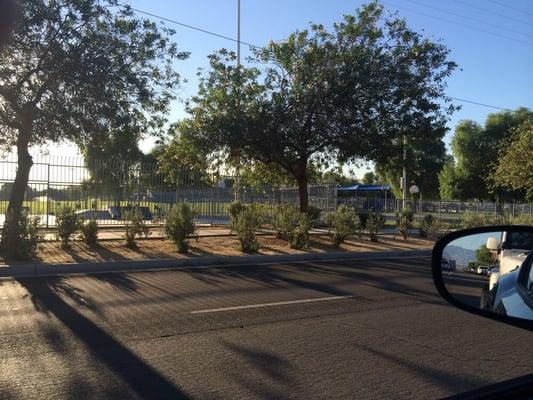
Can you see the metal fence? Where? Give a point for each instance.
(446, 209)
(103, 189)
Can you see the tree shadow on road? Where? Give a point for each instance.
(143, 379)
(265, 367)
(454, 382)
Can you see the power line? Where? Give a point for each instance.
(190, 26)
(460, 24)
(510, 7)
(467, 17)
(493, 13)
(479, 104)
(258, 47)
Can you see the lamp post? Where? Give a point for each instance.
(8, 10)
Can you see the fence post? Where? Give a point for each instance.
(48, 195)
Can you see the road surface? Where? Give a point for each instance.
(364, 329)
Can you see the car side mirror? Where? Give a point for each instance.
(472, 274)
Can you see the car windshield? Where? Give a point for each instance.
(239, 199)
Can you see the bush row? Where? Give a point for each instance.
(288, 222)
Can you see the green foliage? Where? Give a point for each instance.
(404, 222)
(300, 236)
(286, 219)
(179, 225)
(28, 237)
(246, 223)
(68, 223)
(135, 226)
(363, 218)
(182, 161)
(84, 71)
(298, 105)
(89, 232)
(484, 255)
(345, 222)
(370, 178)
(477, 220)
(234, 210)
(478, 150)
(314, 214)
(292, 225)
(523, 219)
(430, 226)
(426, 156)
(515, 164)
(374, 225)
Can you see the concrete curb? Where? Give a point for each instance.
(35, 270)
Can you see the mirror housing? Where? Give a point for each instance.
(474, 289)
(493, 244)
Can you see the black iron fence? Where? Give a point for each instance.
(103, 189)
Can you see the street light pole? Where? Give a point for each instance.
(404, 174)
(238, 33)
(238, 169)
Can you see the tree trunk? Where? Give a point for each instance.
(301, 178)
(10, 232)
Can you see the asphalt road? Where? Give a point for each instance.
(365, 329)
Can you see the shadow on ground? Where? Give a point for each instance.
(144, 380)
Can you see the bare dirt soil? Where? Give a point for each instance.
(115, 250)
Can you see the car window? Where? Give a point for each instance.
(519, 240)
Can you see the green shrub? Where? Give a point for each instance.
(286, 219)
(68, 223)
(404, 222)
(476, 220)
(179, 225)
(426, 225)
(345, 222)
(89, 232)
(28, 237)
(314, 214)
(363, 218)
(234, 210)
(523, 219)
(374, 224)
(299, 238)
(135, 226)
(246, 223)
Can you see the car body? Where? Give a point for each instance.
(512, 294)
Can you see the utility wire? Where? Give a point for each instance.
(460, 24)
(469, 18)
(258, 47)
(479, 104)
(192, 27)
(511, 7)
(493, 13)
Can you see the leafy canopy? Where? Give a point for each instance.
(326, 96)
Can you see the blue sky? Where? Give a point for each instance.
(493, 70)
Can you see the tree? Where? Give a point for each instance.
(370, 178)
(79, 69)
(515, 165)
(449, 182)
(476, 150)
(425, 158)
(181, 162)
(324, 96)
(483, 255)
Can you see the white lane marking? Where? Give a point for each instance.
(279, 303)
